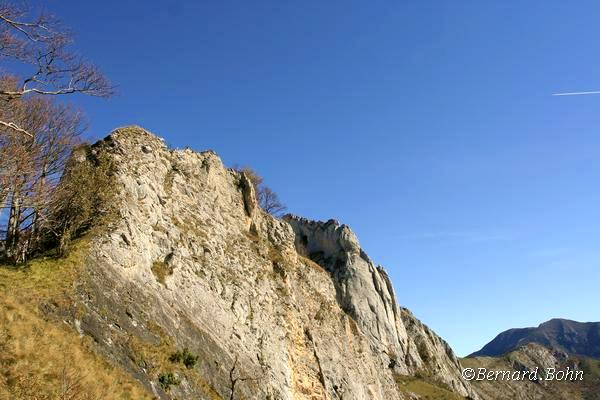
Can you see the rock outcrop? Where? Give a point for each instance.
(274, 309)
(365, 292)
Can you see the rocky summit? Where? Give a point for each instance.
(266, 308)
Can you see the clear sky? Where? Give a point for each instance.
(428, 127)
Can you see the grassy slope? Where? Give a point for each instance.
(591, 379)
(45, 359)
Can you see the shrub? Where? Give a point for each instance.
(176, 357)
(184, 356)
(167, 380)
(190, 360)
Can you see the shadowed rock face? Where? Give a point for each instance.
(363, 290)
(573, 337)
(274, 309)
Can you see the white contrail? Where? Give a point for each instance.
(575, 93)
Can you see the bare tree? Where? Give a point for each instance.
(266, 197)
(40, 45)
(37, 134)
(269, 201)
(30, 168)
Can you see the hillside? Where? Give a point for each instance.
(528, 358)
(555, 345)
(572, 337)
(41, 358)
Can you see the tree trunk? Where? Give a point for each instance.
(12, 230)
(35, 225)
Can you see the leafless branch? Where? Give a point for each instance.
(15, 127)
(41, 45)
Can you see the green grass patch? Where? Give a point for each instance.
(185, 357)
(168, 379)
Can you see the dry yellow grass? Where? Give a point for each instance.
(161, 270)
(424, 389)
(46, 360)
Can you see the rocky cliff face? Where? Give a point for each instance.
(275, 309)
(364, 292)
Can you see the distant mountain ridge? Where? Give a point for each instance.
(577, 338)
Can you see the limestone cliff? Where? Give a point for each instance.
(365, 293)
(275, 309)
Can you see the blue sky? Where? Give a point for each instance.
(428, 127)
